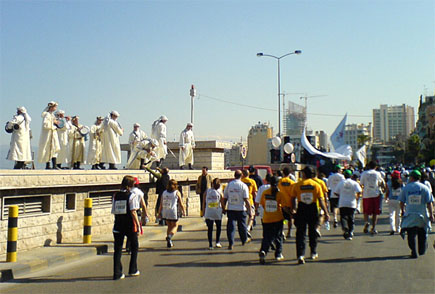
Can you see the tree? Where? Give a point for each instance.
(412, 153)
(362, 139)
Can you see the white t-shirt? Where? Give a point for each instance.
(333, 181)
(136, 192)
(235, 192)
(371, 180)
(258, 198)
(213, 209)
(347, 189)
(170, 205)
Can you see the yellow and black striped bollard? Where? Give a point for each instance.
(87, 223)
(12, 234)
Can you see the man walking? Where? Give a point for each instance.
(203, 183)
(237, 196)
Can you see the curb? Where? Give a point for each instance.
(70, 253)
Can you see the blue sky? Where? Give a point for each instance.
(140, 58)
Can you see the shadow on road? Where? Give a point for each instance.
(237, 263)
(53, 279)
(363, 259)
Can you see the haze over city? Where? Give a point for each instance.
(141, 57)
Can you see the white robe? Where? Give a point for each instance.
(159, 133)
(48, 140)
(140, 152)
(187, 143)
(111, 149)
(78, 145)
(64, 154)
(135, 138)
(94, 150)
(20, 141)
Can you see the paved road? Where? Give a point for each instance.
(368, 264)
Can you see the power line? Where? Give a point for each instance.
(274, 110)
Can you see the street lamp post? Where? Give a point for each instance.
(279, 82)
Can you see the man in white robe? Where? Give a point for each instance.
(143, 155)
(94, 151)
(19, 149)
(48, 141)
(112, 130)
(187, 143)
(63, 130)
(78, 143)
(136, 136)
(158, 132)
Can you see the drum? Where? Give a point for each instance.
(61, 124)
(84, 131)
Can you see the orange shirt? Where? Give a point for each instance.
(252, 186)
(307, 191)
(284, 185)
(273, 206)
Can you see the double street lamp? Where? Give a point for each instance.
(279, 82)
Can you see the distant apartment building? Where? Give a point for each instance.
(391, 121)
(258, 151)
(294, 120)
(323, 140)
(353, 131)
(426, 117)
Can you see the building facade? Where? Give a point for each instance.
(294, 119)
(390, 121)
(258, 143)
(353, 131)
(233, 156)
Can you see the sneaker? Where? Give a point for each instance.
(210, 248)
(349, 238)
(218, 245)
(413, 255)
(262, 255)
(373, 231)
(314, 256)
(391, 233)
(230, 247)
(249, 235)
(279, 257)
(122, 277)
(137, 273)
(366, 228)
(169, 243)
(335, 224)
(318, 233)
(301, 260)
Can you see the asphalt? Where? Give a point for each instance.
(42, 258)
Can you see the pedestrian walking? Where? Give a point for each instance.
(285, 185)
(213, 212)
(307, 192)
(394, 188)
(202, 184)
(416, 205)
(124, 207)
(171, 200)
(236, 195)
(333, 181)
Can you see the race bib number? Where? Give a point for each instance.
(307, 198)
(234, 200)
(166, 204)
(120, 207)
(271, 206)
(414, 199)
(213, 204)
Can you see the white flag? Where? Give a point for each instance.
(361, 154)
(337, 137)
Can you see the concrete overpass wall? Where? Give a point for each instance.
(51, 202)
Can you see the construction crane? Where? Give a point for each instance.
(306, 97)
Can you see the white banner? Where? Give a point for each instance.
(343, 152)
(337, 137)
(361, 154)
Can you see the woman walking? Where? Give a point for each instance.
(213, 212)
(168, 210)
(394, 188)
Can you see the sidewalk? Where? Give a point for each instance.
(44, 257)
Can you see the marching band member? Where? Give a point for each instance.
(187, 143)
(143, 154)
(136, 136)
(94, 151)
(48, 141)
(111, 147)
(20, 141)
(78, 143)
(63, 129)
(158, 132)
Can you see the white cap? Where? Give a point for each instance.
(163, 117)
(22, 109)
(190, 125)
(136, 125)
(115, 113)
(154, 142)
(52, 103)
(60, 112)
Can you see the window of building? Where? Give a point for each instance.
(101, 199)
(27, 205)
(70, 202)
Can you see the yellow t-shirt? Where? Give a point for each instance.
(307, 191)
(252, 186)
(324, 189)
(284, 185)
(273, 206)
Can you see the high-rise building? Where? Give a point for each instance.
(353, 131)
(233, 156)
(294, 119)
(390, 121)
(258, 143)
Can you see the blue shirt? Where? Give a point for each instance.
(416, 196)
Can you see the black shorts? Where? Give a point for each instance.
(333, 203)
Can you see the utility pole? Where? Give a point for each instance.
(192, 95)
